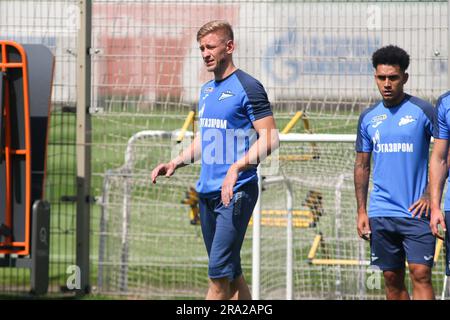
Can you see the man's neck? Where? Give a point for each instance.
(394, 103)
(222, 74)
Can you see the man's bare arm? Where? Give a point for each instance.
(438, 173)
(267, 142)
(361, 178)
(188, 156)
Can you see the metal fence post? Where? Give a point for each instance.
(256, 243)
(40, 247)
(83, 139)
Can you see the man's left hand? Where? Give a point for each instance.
(420, 206)
(228, 185)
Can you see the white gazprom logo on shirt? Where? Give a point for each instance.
(226, 94)
(213, 123)
(379, 147)
(405, 120)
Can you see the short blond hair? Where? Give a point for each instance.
(214, 26)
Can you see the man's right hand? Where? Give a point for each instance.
(166, 169)
(363, 226)
(437, 218)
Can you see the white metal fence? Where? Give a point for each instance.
(302, 244)
(146, 71)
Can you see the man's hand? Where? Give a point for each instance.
(437, 218)
(228, 185)
(166, 169)
(363, 226)
(420, 206)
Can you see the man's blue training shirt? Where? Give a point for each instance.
(441, 131)
(399, 139)
(227, 109)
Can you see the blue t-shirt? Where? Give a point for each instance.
(227, 109)
(441, 131)
(399, 139)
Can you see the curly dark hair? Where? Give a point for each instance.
(391, 55)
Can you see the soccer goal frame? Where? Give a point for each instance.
(256, 261)
(336, 261)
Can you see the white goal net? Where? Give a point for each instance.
(308, 244)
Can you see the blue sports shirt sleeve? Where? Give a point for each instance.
(429, 114)
(255, 101)
(443, 117)
(430, 124)
(363, 140)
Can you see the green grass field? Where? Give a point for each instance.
(167, 256)
(176, 260)
(112, 133)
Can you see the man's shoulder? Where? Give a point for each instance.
(247, 81)
(426, 107)
(444, 100)
(422, 104)
(370, 110)
(207, 85)
(241, 74)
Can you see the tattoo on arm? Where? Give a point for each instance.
(361, 178)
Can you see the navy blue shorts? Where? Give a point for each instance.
(224, 229)
(447, 243)
(394, 239)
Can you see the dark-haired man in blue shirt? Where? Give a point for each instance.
(396, 132)
(439, 169)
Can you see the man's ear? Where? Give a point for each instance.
(405, 80)
(230, 46)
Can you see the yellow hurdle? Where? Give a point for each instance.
(340, 262)
(437, 252)
(314, 247)
(292, 123)
(352, 262)
(296, 157)
(300, 115)
(305, 213)
(282, 222)
(330, 262)
(189, 119)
